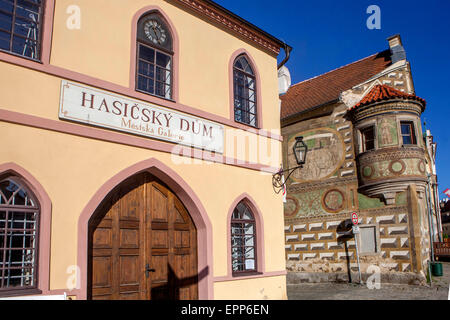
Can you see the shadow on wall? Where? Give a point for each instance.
(175, 288)
(344, 230)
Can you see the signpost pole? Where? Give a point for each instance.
(355, 229)
(357, 256)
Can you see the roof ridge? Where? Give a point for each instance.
(391, 89)
(348, 64)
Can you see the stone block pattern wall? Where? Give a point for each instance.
(315, 245)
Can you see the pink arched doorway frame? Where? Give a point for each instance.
(184, 193)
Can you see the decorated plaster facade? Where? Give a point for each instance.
(359, 160)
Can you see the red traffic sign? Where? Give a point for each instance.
(355, 218)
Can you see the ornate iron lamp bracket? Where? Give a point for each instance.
(277, 178)
(300, 150)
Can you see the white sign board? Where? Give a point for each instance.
(39, 297)
(355, 229)
(109, 110)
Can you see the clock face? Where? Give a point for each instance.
(155, 31)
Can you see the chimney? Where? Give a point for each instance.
(398, 53)
(284, 80)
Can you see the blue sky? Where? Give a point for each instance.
(328, 34)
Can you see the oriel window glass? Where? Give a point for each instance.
(408, 136)
(368, 138)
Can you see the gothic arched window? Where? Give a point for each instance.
(244, 92)
(19, 236)
(154, 74)
(243, 240)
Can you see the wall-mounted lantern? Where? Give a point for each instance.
(300, 150)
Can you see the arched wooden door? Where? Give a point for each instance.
(142, 245)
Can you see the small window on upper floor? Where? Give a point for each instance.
(154, 74)
(20, 27)
(408, 133)
(244, 91)
(368, 138)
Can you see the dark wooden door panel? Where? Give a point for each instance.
(145, 246)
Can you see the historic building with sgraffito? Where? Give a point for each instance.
(366, 154)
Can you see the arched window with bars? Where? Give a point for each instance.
(244, 92)
(19, 236)
(154, 69)
(243, 240)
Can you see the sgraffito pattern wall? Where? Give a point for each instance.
(320, 244)
(321, 199)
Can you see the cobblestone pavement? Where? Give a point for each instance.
(338, 291)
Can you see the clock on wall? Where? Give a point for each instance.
(155, 31)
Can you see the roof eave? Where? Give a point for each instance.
(309, 110)
(281, 43)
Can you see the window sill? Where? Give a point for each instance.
(20, 56)
(246, 274)
(19, 292)
(248, 125)
(155, 96)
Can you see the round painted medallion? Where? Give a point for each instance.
(397, 167)
(368, 171)
(290, 206)
(421, 166)
(333, 200)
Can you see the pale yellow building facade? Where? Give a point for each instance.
(69, 167)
